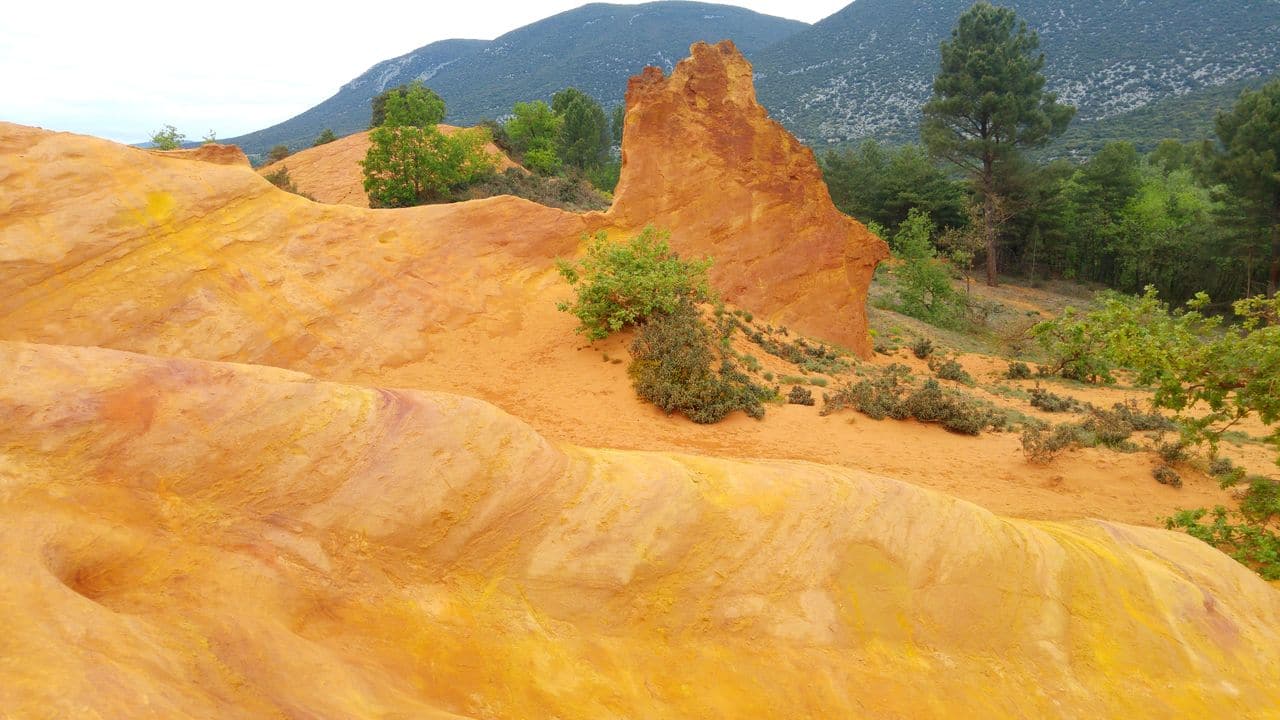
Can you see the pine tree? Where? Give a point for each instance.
(988, 104)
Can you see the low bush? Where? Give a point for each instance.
(1018, 371)
(950, 369)
(800, 396)
(1166, 475)
(671, 367)
(1041, 445)
(1172, 453)
(922, 348)
(892, 396)
(1051, 402)
(1250, 543)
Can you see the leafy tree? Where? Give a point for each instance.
(623, 284)
(411, 163)
(988, 104)
(324, 138)
(875, 184)
(278, 153)
(584, 137)
(533, 130)
(924, 284)
(1248, 164)
(167, 138)
(427, 106)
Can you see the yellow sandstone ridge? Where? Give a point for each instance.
(194, 539)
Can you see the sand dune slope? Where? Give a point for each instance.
(185, 538)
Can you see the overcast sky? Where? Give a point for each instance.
(122, 70)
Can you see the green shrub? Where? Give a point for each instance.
(621, 284)
(278, 153)
(567, 193)
(1052, 402)
(922, 348)
(924, 283)
(1041, 445)
(167, 138)
(1256, 546)
(1018, 371)
(1172, 453)
(931, 404)
(671, 367)
(1166, 475)
(890, 395)
(324, 138)
(800, 396)
(950, 369)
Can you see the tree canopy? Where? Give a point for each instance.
(427, 107)
(988, 104)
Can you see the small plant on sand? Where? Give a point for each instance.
(950, 369)
(622, 284)
(1052, 402)
(1018, 371)
(1166, 475)
(1041, 445)
(800, 396)
(922, 348)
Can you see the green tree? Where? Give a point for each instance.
(427, 106)
(875, 184)
(584, 138)
(410, 162)
(167, 138)
(1247, 163)
(533, 131)
(324, 138)
(278, 153)
(988, 104)
(924, 283)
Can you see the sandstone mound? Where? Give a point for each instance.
(702, 158)
(209, 152)
(331, 173)
(187, 539)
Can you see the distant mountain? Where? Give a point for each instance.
(865, 71)
(595, 48)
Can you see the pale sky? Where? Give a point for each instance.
(122, 70)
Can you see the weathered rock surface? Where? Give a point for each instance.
(209, 152)
(331, 173)
(701, 158)
(192, 539)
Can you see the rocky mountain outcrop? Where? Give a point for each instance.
(700, 156)
(194, 539)
(102, 244)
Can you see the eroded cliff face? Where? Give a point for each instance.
(193, 539)
(701, 158)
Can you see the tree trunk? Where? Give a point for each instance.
(989, 218)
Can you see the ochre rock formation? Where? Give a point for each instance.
(331, 173)
(193, 539)
(701, 158)
(209, 152)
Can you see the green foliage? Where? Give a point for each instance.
(800, 396)
(1213, 376)
(1052, 402)
(671, 367)
(950, 369)
(617, 121)
(605, 176)
(568, 193)
(879, 185)
(1248, 165)
(410, 165)
(167, 138)
(988, 104)
(924, 284)
(621, 284)
(922, 348)
(209, 139)
(324, 138)
(534, 130)
(414, 104)
(1041, 445)
(584, 138)
(1018, 371)
(891, 395)
(278, 153)
(1250, 542)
